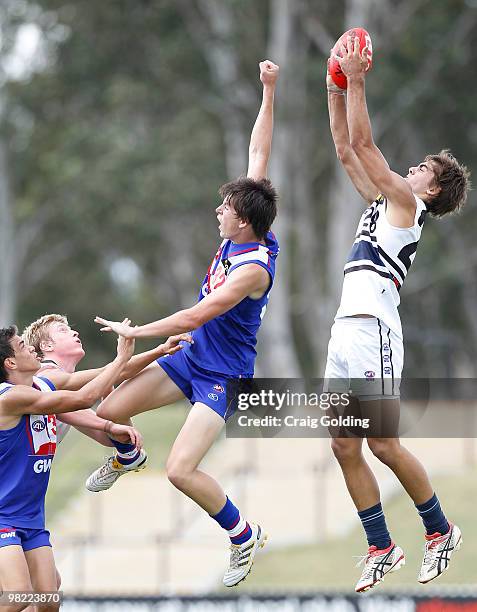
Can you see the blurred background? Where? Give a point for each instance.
(119, 120)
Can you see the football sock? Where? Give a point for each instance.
(126, 453)
(237, 528)
(374, 524)
(432, 516)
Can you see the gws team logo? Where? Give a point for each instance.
(38, 426)
(369, 375)
(42, 466)
(213, 396)
(218, 388)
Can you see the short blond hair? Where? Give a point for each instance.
(37, 332)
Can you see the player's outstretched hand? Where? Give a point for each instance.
(172, 344)
(330, 84)
(125, 434)
(125, 348)
(352, 62)
(268, 72)
(122, 328)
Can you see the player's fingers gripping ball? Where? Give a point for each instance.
(341, 45)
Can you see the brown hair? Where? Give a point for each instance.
(6, 349)
(254, 201)
(454, 182)
(37, 332)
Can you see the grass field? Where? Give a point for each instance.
(78, 455)
(331, 565)
(326, 566)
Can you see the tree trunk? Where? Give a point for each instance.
(278, 356)
(8, 273)
(213, 25)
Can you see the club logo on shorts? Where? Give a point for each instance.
(213, 396)
(218, 388)
(38, 425)
(369, 374)
(9, 534)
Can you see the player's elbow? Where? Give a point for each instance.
(343, 152)
(195, 320)
(85, 399)
(361, 145)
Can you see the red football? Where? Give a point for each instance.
(334, 69)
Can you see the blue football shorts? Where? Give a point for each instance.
(198, 384)
(28, 539)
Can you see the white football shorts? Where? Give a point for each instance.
(365, 358)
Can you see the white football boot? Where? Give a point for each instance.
(378, 563)
(242, 556)
(106, 475)
(438, 552)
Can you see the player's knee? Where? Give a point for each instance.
(384, 449)
(345, 450)
(51, 607)
(177, 473)
(21, 607)
(104, 411)
(24, 586)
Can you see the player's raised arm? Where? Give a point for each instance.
(244, 282)
(261, 138)
(344, 150)
(76, 380)
(25, 400)
(394, 187)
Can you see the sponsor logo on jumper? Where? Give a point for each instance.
(42, 466)
(38, 426)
